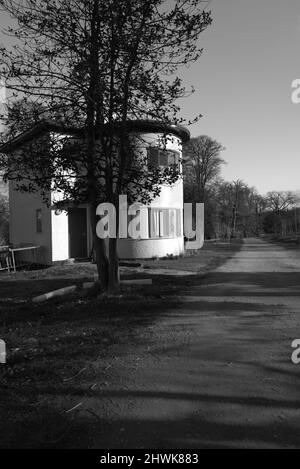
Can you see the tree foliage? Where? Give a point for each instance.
(21, 115)
(122, 55)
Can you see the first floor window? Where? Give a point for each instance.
(159, 157)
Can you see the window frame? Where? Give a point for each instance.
(163, 216)
(155, 153)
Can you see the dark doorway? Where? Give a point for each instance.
(77, 233)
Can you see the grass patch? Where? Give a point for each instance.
(289, 242)
(56, 352)
(209, 257)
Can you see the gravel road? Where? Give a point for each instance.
(215, 370)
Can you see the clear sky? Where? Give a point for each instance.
(243, 82)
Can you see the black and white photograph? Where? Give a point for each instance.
(149, 228)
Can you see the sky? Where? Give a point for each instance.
(243, 81)
(243, 89)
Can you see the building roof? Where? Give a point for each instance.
(132, 126)
(161, 127)
(34, 132)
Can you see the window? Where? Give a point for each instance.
(163, 158)
(172, 223)
(38, 219)
(154, 223)
(164, 223)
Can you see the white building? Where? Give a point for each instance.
(63, 235)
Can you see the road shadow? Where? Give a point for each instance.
(219, 284)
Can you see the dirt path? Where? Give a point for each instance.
(215, 370)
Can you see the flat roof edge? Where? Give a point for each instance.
(131, 125)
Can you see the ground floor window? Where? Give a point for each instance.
(165, 223)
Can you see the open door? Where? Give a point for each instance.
(77, 232)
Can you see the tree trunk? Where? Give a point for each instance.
(113, 271)
(102, 263)
(100, 252)
(233, 221)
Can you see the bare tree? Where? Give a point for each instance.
(202, 163)
(279, 202)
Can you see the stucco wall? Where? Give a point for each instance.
(23, 208)
(60, 236)
(170, 197)
(149, 248)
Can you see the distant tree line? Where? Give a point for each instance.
(282, 214)
(234, 209)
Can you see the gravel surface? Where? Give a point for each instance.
(215, 369)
